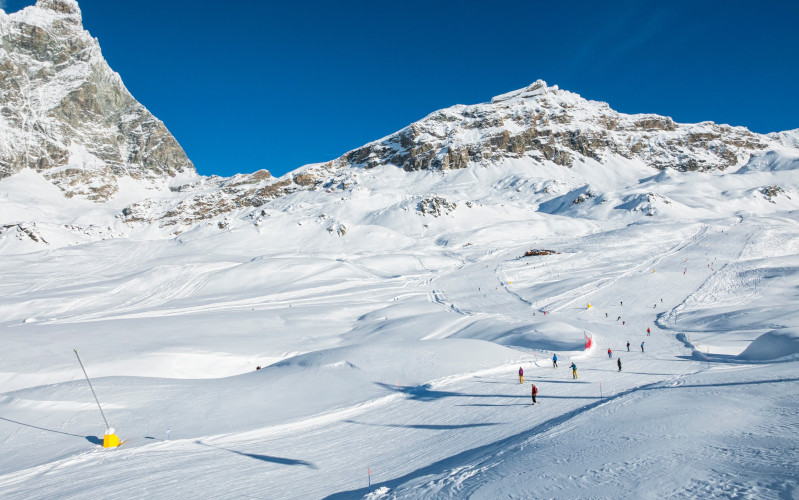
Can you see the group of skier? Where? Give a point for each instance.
(573, 366)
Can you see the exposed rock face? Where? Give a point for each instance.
(545, 123)
(435, 206)
(66, 114)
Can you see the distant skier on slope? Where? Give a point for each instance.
(555, 360)
(610, 353)
(642, 347)
(619, 363)
(574, 370)
(628, 346)
(648, 331)
(521, 375)
(535, 392)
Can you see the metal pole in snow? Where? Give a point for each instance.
(600, 392)
(369, 476)
(92, 388)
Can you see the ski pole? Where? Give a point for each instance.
(92, 388)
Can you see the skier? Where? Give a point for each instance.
(642, 347)
(554, 360)
(610, 353)
(619, 363)
(628, 346)
(621, 303)
(648, 331)
(521, 375)
(258, 367)
(535, 391)
(617, 319)
(574, 370)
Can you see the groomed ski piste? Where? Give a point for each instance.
(390, 355)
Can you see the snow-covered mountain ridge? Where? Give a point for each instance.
(539, 127)
(68, 117)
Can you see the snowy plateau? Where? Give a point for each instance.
(362, 287)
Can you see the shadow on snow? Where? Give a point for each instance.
(263, 458)
(432, 427)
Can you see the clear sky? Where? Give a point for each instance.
(252, 84)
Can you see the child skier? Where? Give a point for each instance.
(521, 375)
(610, 353)
(574, 370)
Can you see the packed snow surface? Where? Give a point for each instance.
(402, 361)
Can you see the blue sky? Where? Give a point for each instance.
(246, 85)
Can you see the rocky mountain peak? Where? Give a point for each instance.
(546, 124)
(537, 88)
(61, 6)
(67, 115)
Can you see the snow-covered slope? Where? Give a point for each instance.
(390, 297)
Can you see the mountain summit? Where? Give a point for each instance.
(544, 123)
(67, 115)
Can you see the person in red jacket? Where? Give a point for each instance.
(648, 331)
(535, 392)
(521, 375)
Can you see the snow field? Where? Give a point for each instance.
(395, 349)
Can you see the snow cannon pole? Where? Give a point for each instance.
(110, 440)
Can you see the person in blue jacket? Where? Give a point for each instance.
(555, 360)
(574, 370)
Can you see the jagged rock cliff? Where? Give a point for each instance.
(67, 115)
